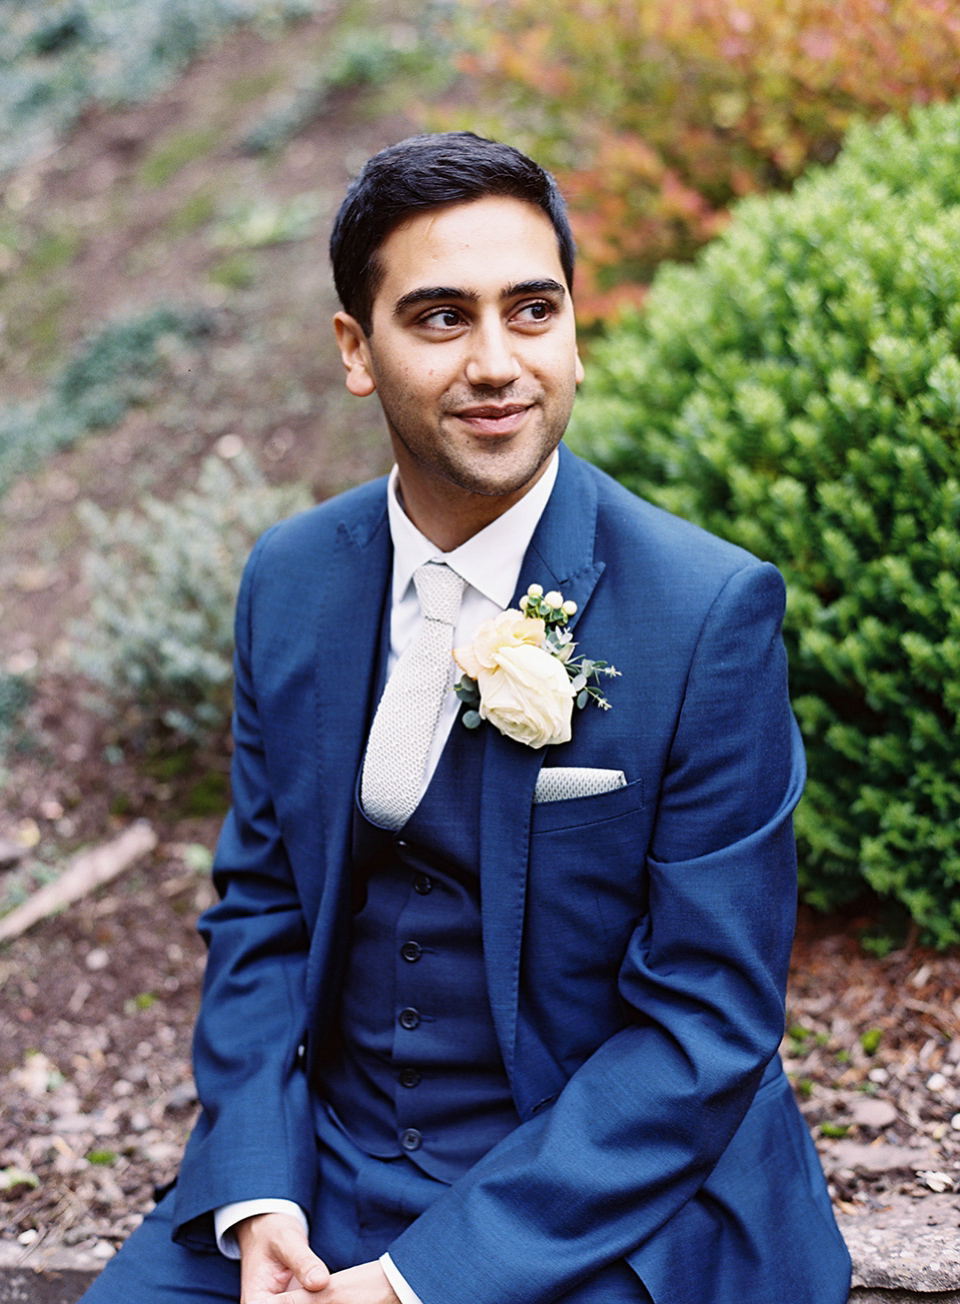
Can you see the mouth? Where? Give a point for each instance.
(493, 418)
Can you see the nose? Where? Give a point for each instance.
(492, 362)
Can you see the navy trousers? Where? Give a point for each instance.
(364, 1205)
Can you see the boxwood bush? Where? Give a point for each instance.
(798, 392)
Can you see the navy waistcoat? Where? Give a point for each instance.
(418, 1070)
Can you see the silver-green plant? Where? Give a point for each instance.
(158, 637)
(111, 372)
(56, 56)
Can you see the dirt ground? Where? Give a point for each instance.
(97, 1004)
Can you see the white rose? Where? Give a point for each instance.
(525, 691)
(509, 629)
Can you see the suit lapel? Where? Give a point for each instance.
(560, 556)
(350, 626)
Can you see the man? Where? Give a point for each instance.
(492, 1013)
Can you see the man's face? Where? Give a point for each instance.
(472, 351)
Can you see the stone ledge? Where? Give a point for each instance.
(903, 1297)
(906, 1246)
(907, 1252)
(54, 1276)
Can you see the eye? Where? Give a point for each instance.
(441, 319)
(536, 313)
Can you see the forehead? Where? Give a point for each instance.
(482, 246)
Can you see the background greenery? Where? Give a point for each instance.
(158, 640)
(59, 56)
(798, 389)
(798, 392)
(656, 114)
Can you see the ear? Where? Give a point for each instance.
(355, 351)
(579, 369)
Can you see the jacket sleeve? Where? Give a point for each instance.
(640, 1125)
(254, 1134)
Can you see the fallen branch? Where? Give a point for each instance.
(88, 871)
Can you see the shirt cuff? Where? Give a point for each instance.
(398, 1283)
(228, 1215)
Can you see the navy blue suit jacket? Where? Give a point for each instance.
(636, 942)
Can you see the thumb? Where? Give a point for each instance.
(307, 1267)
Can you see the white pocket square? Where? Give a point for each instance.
(561, 783)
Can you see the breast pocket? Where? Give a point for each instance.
(575, 812)
(587, 892)
(586, 880)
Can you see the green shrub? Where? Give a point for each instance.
(159, 636)
(111, 372)
(798, 392)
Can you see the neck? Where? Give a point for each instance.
(447, 514)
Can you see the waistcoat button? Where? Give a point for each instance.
(411, 1139)
(423, 884)
(409, 1019)
(411, 951)
(409, 1078)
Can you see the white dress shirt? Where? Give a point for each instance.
(490, 563)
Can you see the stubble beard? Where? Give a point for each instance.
(494, 467)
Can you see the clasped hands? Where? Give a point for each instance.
(277, 1266)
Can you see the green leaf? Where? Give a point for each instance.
(870, 1040)
(472, 719)
(583, 697)
(468, 691)
(102, 1156)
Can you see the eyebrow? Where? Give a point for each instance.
(435, 293)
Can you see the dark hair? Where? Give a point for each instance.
(427, 172)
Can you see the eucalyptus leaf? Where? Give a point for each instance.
(467, 691)
(472, 719)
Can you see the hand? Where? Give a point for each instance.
(277, 1265)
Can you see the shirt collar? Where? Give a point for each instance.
(490, 561)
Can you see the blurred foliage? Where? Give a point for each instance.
(112, 371)
(173, 153)
(264, 222)
(656, 115)
(363, 54)
(163, 582)
(798, 392)
(58, 55)
(15, 697)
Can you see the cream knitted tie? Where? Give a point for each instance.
(409, 709)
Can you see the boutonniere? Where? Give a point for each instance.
(521, 675)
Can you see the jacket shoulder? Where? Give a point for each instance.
(307, 537)
(635, 535)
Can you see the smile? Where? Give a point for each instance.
(493, 419)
